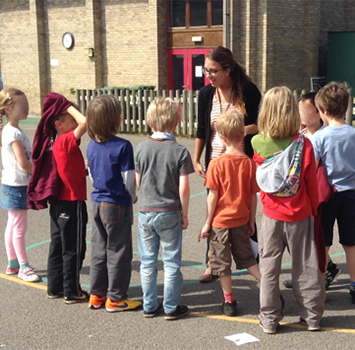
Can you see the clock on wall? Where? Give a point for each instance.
(68, 40)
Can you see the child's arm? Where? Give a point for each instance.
(138, 180)
(129, 183)
(20, 155)
(80, 130)
(253, 205)
(184, 192)
(212, 200)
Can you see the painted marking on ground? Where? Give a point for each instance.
(20, 281)
(254, 321)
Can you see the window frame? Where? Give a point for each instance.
(209, 19)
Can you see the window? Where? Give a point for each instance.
(196, 13)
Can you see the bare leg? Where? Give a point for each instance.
(255, 271)
(350, 260)
(226, 284)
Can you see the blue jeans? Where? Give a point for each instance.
(165, 228)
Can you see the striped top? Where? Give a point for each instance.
(217, 148)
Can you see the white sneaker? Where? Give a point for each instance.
(28, 275)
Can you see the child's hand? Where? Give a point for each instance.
(185, 222)
(251, 228)
(205, 232)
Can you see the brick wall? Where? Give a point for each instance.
(281, 42)
(18, 49)
(131, 42)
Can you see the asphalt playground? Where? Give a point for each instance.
(28, 320)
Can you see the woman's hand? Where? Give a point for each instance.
(200, 170)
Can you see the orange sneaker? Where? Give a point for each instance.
(96, 302)
(122, 305)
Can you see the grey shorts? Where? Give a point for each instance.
(228, 242)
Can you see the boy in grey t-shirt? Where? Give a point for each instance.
(162, 175)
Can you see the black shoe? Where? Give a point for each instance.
(352, 293)
(55, 295)
(287, 283)
(150, 314)
(230, 309)
(74, 299)
(180, 311)
(331, 274)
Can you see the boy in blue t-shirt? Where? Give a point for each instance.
(111, 165)
(334, 147)
(162, 174)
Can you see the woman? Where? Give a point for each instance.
(230, 88)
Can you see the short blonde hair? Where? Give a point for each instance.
(163, 114)
(334, 98)
(103, 118)
(230, 125)
(279, 116)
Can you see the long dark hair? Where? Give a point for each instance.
(224, 57)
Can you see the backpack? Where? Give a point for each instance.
(280, 175)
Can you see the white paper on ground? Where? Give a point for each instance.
(242, 338)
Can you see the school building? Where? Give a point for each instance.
(60, 45)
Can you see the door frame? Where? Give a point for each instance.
(188, 73)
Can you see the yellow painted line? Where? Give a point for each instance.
(284, 324)
(20, 281)
(197, 314)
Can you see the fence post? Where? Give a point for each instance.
(123, 107)
(191, 113)
(128, 109)
(349, 111)
(196, 111)
(82, 101)
(140, 112)
(134, 111)
(115, 94)
(145, 105)
(177, 99)
(184, 112)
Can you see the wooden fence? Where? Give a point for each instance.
(135, 104)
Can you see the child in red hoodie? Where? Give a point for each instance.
(287, 221)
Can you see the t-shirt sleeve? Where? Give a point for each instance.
(12, 134)
(136, 159)
(127, 160)
(316, 146)
(186, 164)
(67, 142)
(212, 177)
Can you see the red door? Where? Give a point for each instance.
(185, 69)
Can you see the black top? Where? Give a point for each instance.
(251, 97)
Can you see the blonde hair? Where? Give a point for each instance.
(163, 114)
(103, 118)
(279, 116)
(7, 101)
(231, 126)
(334, 98)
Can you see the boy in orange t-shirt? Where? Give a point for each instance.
(231, 208)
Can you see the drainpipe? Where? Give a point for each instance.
(226, 24)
